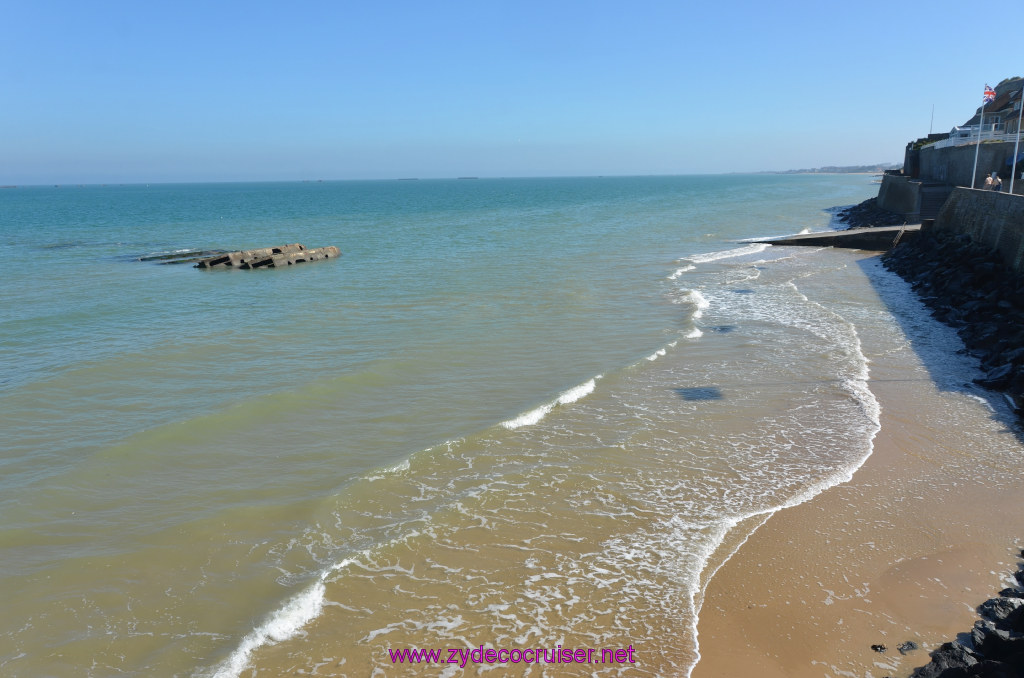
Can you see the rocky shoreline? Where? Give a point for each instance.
(868, 214)
(995, 647)
(969, 288)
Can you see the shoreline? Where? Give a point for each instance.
(901, 553)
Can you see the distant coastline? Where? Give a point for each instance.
(849, 169)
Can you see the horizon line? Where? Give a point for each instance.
(79, 184)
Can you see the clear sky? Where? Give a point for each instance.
(146, 91)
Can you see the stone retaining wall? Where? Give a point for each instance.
(990, 218)
(900, 194)
(954, 164)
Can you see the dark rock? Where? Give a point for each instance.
(879, 648)
(992, 642)
(982, 630)
(868, 214)
(938, 671)
(998, 609)
(952, 657)
(955, 672)
(982, 267)
(993, 669)
(986, 331)
(997, 377)
(1014, 621)
(908, 646)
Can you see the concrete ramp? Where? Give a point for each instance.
(877, 239)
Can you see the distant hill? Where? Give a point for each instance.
(849, 169)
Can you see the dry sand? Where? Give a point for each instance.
(927, 529)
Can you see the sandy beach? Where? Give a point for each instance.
(926, 530)
(554, 469)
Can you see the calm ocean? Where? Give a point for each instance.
(514, 413)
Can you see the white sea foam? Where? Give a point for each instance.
(396, 468)
(577, 392)
(680, 271)
(698, 300)
(389, 470)
(837, 478)
(695, 333)
(285, 623)
(529, 418)
(535, 415)
(752, 248)
(857, 386)
(657, 354)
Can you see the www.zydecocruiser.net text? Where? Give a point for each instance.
(481, 655)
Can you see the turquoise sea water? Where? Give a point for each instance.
(515, 411)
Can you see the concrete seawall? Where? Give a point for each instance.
(954, 164)
(915, 199)
(992, 219)
(900, 194)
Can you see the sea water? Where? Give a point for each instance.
(516, 413)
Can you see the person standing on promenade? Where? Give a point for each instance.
(993, 183)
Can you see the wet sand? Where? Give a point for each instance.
(927, 529)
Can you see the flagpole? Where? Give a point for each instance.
(974, 172)
(1016, 144)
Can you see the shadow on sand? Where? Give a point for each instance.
(943, 359)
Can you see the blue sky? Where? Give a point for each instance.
(95, 92)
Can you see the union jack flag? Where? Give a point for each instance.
(990, 95)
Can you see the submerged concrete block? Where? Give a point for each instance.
(316, 254)
(243, 257)
(271, 257)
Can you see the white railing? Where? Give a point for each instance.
(967, 135)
